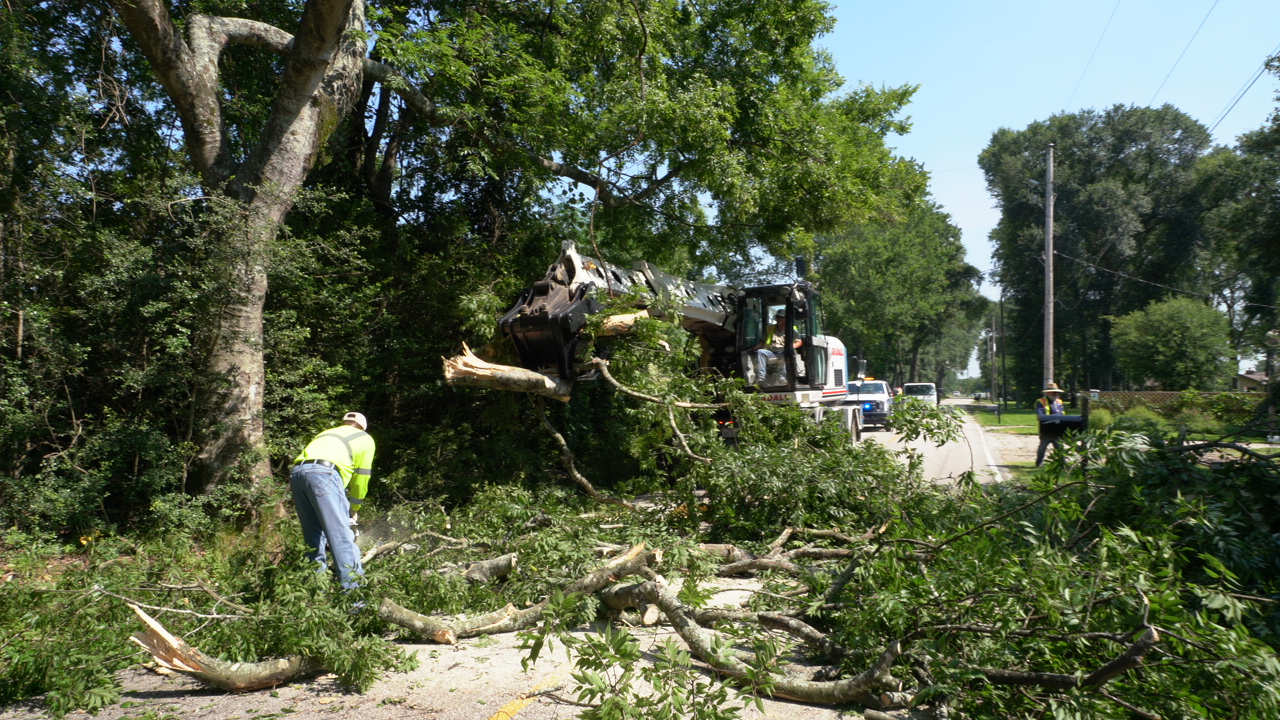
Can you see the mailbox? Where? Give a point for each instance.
(1055, 426)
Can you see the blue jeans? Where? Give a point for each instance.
(763, 356)
(325, 512)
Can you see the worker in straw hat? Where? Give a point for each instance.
(329, 480)
(1049, 404)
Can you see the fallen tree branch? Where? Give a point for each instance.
(1218, 444)
(131, 603)
(680, 440)
(484, 571)
(759, 564)
(726, 552)
(175, 654)
(467, 370)
(208, 589)
(387, 547)
(1127, 660)
(626, 597)
(811, 636)
(509, 619)
(446, 632)
(864, 688)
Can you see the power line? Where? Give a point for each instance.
(1243, 91)
(1184, 52)
(1148, 282)
(1095, 52)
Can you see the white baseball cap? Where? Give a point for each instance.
(356, 418)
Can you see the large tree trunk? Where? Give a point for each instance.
(319, 85)
(233, 436)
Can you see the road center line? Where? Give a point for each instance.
(513, 708)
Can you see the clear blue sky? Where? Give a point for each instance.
(986, 65)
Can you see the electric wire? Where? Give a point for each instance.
(1095, 52)
(1184, 52)
(1148, 282)
(1243, 91)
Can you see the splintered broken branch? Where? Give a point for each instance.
(175, 654)
(468, 370)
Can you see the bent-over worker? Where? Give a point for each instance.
(329, 481)
(1047, 406)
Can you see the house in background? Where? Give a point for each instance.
(1252, 381)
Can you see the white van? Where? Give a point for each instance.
(921, 391)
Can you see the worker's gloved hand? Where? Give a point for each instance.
(354, 525)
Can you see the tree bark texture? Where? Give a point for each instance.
(623, 597)
(486, 571)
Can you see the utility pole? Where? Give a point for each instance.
(996, 390)
(1048, 271)
(1004, 365)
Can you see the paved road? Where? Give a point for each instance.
(973, 451)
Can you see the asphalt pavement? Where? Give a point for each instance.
(945, 463)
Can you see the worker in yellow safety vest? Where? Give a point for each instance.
(1047, 406)
(329, 481)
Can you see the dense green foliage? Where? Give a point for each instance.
(411, 237)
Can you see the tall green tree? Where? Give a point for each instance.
(142, 176)
(1243, 259)
(1180, 344)
(1127, 215)
(896, 288)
